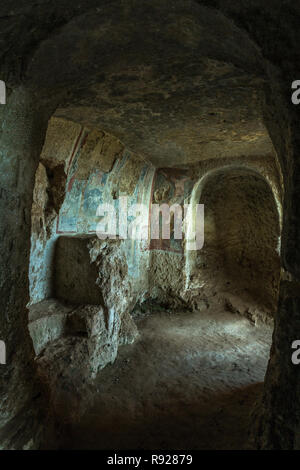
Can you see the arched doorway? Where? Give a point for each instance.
(240, 259)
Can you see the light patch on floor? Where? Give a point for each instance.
(189, 382)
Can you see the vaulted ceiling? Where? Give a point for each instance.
(175, 81)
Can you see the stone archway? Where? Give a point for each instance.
(229, 195)
(71, 59)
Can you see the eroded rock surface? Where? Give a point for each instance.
(138, 87)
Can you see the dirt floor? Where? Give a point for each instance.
(189, 382)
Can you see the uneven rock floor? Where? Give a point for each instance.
(189, 382)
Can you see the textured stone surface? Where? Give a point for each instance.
(74, 275)
(173, 93)
(47, 322)
(59, 142)
(153, 395)
(189, 81)
(99, 151)
(242, 236)
(23, 124)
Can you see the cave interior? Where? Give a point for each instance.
(121, 343)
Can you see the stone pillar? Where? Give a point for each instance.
(278, 426)
(23, 123)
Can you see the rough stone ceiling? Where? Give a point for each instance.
(211, 113)
(175, 82)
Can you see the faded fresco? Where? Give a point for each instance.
(171, 186)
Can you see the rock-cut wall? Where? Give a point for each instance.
(95, 169)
